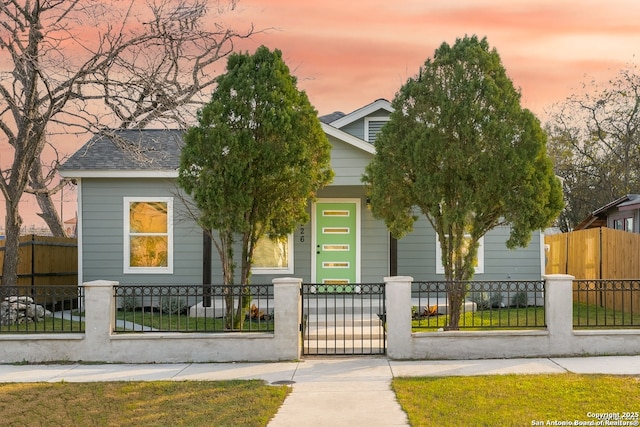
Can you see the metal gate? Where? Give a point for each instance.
(343, 319)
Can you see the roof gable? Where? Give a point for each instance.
(360, 113)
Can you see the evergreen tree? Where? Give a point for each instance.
(460, 150)
(257, 157)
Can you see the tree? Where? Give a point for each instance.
(256, 158)
(594, 139)
(460, 150)
(81, 66)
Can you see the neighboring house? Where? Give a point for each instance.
(133, 226)
(621, 214)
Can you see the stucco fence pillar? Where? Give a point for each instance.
(398, 316)
(558, 303)
(288, 315)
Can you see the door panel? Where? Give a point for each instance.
(336, 245)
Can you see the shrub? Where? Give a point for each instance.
(486, 300)
(129, 303)
(173, 305)
(520, 299)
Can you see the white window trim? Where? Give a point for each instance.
(478, 270)
(283, 270)
(127, 269)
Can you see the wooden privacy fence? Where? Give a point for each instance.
(596, 254)
(44, 260)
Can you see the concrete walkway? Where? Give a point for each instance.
(326, 391)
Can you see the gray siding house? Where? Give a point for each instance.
(133, 226)
(620, 214)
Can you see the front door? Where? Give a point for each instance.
(337, 244)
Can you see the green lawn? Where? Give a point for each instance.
(183, 323)
(162, 403)
(516, 400)
(584, 316)
(48, 324)
(504, 318)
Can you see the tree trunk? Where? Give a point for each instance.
(456, 291)
(49, 213)
(13, 223)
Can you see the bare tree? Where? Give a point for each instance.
(594, 140)
(77, 66)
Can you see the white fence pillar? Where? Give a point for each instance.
(559, 311)
(398, 320)
(288, 314)
(99, 317)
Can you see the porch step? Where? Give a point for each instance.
(321, 332)
(343, 348)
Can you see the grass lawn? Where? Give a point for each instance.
(584, 316)
(507, 318)
(516, 400)
(48, 324)
(161, 403)
(184, 323)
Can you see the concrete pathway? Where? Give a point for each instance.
(325, 391)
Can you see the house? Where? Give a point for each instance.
(620, 214)
(133, 226)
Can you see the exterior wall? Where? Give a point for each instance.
(616, 213)
(417, 256)
(102, 233)
(348, 163)
(103, 239)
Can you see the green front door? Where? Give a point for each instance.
(336, 245)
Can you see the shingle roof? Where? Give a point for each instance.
(328, 118)
(129, 149)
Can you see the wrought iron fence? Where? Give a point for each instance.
(343, 319)
(606, 303)
(487, 305)
(194, 308)
(41, 309)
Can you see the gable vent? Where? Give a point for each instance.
(373, 128)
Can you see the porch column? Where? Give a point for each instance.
(398, 317)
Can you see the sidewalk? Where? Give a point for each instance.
(326, 391)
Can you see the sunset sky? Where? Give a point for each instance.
(347, 54)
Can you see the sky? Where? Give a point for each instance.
(348, 53)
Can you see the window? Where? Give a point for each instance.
(273, 256)
(625, 224)
(479, 267)
(148, 235)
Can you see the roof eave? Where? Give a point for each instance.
(362, 112)
(348, 138)
(101, 173)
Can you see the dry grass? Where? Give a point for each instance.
(160, 403)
